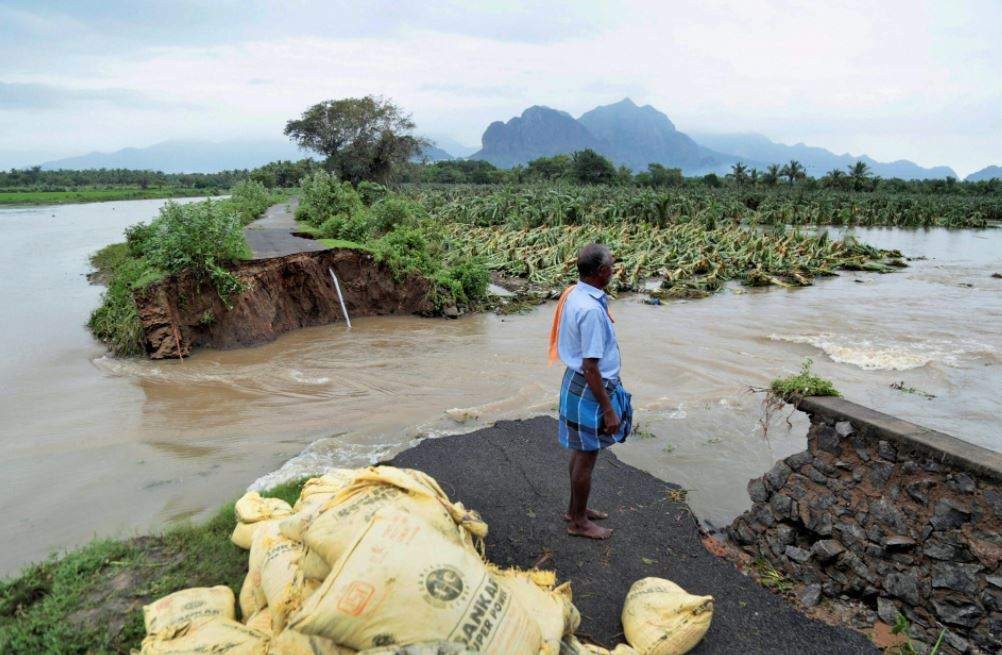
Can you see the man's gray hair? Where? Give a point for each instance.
(593, 257)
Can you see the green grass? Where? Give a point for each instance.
(804, 383)
(316, 233)
(90, 600)
(98, 195)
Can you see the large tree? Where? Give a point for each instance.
(360, 138)
(592, 168)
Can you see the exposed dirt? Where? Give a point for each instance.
(110, 603)
(280, 295)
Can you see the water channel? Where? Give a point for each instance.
(96, 446)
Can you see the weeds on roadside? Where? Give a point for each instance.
(903, 627)
(770, 577)
(802, 384)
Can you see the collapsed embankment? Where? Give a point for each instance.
(278, 295)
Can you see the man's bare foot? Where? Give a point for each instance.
(589, 530)
(592, 514)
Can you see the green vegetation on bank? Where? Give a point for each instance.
(398, 231)
(200, 238)
(33, 186)
(803, 384)
(72, 196)
(90, 600)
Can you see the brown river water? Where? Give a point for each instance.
(95, 446)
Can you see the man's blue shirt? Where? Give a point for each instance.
(586, 331)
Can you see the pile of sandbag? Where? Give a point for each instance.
(380, 561)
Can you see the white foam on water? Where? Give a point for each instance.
(300, 377)
(888, 355)
(328, 453)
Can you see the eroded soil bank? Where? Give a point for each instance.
(279, 295)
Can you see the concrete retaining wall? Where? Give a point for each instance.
(905, 518)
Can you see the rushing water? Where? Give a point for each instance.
(96, 446)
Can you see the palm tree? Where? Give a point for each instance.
(860, 174)
(771, 176)
(753, 177)
(835, 178)
(793, 171)
(740, 173)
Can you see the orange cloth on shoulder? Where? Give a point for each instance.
(558, 313)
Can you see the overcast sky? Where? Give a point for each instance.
(913, 80)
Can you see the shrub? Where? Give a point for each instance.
(395, 211)
(405, 250)
(198, 237)
(371, 192)
(473, 280)
(250, 199)
(116, 320)
(804, 383)
(347, 228)
(325, 197)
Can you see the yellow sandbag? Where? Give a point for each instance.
(276, 559)
(290, 642)
(571, 646)
(251, 597)
(403, 582)
(261, 620)
(315, 494)
(252, 508)
(172, 614)
(329, 483)
(661, 618)
(348, 513)
(425, 648)
(212, 635)
(550, 606)
(243, 533)
(313, 566)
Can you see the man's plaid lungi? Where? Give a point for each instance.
(581, 423)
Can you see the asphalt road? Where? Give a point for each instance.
(272, 234)
(515, 475)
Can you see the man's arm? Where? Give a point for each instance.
(589, 368)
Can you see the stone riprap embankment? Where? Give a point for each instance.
(906, 519)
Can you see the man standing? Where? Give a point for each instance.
(595, 409)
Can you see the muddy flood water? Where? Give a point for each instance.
(96, 446)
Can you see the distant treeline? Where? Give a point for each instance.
(582, 167)
(589, 167)
(279, 174)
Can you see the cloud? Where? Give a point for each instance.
(17, 96)
(896, 80)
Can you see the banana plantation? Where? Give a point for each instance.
(678, 243)
(544, 205)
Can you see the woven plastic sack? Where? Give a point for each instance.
(349, 512)
(426, 648)
(174, 613)
(403, 582)
(315, 494)
(251, 508)
(213, 635)
(661, 618)
(548, 604)
(290, 642)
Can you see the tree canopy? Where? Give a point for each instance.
(360, 138)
